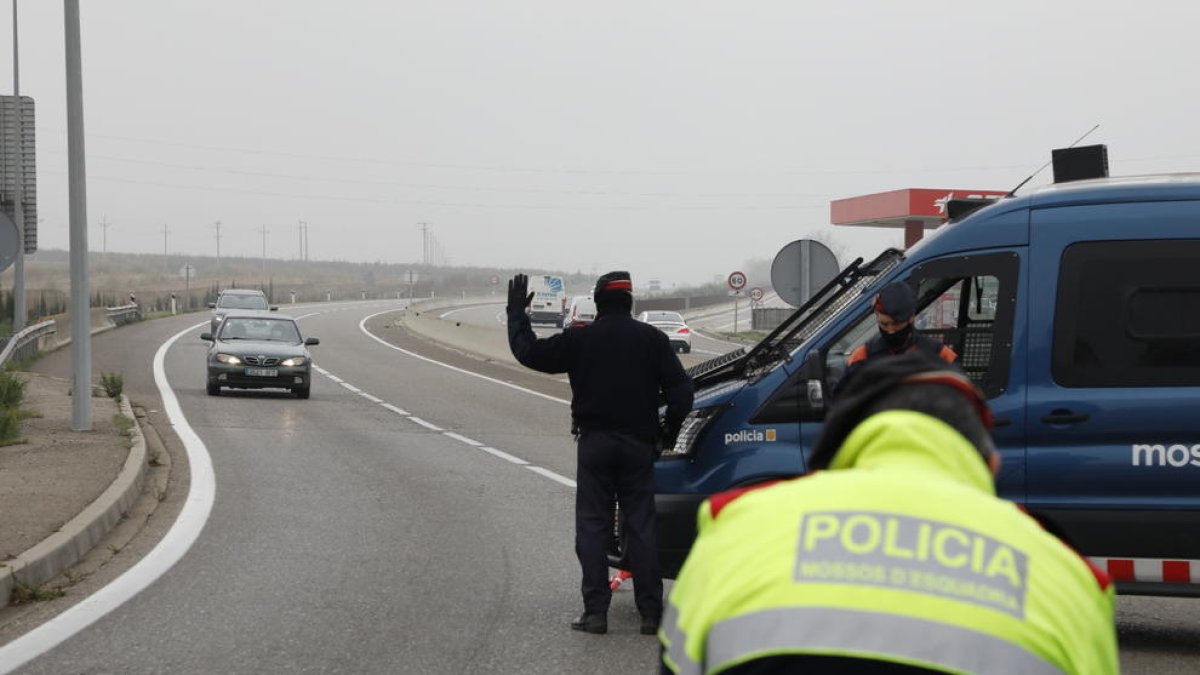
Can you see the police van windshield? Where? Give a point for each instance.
(805, 322)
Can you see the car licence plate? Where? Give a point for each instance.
(262, 372)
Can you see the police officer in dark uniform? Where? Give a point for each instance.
(895, 311)
(620, 371)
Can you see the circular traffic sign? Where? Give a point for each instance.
(494, 280)
(756, 294)
(737, 281)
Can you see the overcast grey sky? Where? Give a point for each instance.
(676, 139)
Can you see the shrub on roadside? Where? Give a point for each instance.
(12, 390)
(10, 425)
(113, 384)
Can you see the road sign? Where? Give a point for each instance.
(802, 268)
(756, 294)
(8, 242)
(494, 280)
(737, 281)
(17, 150)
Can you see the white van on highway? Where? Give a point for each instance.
(580, 312)
(549, 303)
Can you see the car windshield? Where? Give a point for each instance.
(663, 317)
(270, 330)
(242, 302)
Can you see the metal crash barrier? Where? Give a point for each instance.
(26, 343)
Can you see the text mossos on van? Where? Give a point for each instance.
(1160, 454)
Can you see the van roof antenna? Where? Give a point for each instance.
(1048, 162)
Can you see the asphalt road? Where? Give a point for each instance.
(389, 525)
(346, 537)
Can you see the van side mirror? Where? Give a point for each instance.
(311, 341)
(207, 337)
(812, 373)
(816, 395)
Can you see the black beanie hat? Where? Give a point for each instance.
(897, 300)
(613, 292)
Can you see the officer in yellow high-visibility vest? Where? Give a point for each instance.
(899, 558)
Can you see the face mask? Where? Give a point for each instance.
(898, 339)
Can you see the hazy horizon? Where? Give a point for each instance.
(673, 139)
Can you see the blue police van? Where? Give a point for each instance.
(1075, 308)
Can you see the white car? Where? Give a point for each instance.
(673, 325)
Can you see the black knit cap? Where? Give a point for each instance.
(613, 282)
(897, 300)
(878, 377)
(613, 293)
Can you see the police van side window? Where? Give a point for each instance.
(1128, 315)
(966, 303)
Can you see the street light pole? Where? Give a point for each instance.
(20, 312)
(81, 340)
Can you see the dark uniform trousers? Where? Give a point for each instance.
(611, 462)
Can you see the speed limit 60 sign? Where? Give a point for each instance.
(737, 281)
(756, 294)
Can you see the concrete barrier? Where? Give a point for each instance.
(487, 342)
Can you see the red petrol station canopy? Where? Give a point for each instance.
(914, 209)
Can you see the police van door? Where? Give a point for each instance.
(1114, 363)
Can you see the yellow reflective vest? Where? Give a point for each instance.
(900, 552)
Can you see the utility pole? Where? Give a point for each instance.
(424, 242)
(166, 265)
(104, 231)
(218, 226)
(300, 231)
(264, 231)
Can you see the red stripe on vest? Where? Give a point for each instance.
(1177, 572)
(619, 285)
(1121, 570)
(720, 500)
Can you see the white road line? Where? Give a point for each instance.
(362, 325)
(563, 480)
(196, 509)
(504, 455)
(459, 437)
(351, 387)
(552, 476)
(369, 397)
(427, 425)
(455, 311)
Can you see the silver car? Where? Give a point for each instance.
(259, 350)
(673, 325)
(232, 299)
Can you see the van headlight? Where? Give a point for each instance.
(228, 359)
(695, 422)
(293, 361)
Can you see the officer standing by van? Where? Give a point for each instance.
(895, 311)
(896, 558)
(620, 371)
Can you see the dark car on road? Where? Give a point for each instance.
(259, 350)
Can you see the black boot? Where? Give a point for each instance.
(650, 625)
(592, 623)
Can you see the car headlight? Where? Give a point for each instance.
(294, 361)
(693, 424)
(228, 358)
